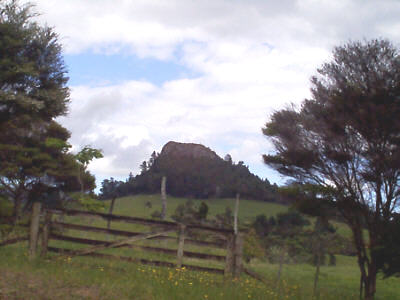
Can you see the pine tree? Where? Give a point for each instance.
(33, 92)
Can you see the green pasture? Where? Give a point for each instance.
(64, 277)
(248, 209)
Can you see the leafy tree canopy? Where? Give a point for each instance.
(33, 92)
(345, 138)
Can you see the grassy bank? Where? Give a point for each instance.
(93, 278)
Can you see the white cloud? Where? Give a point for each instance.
(155, 28)
(253, 57)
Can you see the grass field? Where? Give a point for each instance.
(93, 278)
(136, 206)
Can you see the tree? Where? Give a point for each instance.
(189, 213)
(198, 177)
(320, 239)
(345, 139)
(84, 157)
(282, 239)
(228, 159)
(33, 147)
(143, 167)
(110, 188)
(152, 159)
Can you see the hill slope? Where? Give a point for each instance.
(193, 171)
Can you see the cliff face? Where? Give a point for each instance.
(188, 150)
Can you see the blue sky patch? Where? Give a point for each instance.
(100, 69)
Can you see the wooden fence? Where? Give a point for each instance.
(52, 229)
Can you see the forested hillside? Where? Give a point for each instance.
(193, 171)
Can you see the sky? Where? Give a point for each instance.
(145, 72)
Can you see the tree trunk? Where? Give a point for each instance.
(366, 264)
(370, 283)
(34, 229)
(46, 233)
(361, 287)
(164, 198)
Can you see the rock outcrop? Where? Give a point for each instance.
(188, 150)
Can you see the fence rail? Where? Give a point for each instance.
(14, 240)
(136, 220)
(93, 242)
(139, 260)
(226, 240)
(56, 224)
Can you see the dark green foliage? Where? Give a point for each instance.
(283, 238)
(224, 220)
(201, 177)
(33, 147)
(346, 139)
(321, 241)
(189, 213)
(156, 214)
(143, 167)
(289, 232)
(203, 211)
(84, 157)
(291, 219)
(252, 246)
(263, 226)
(388, 255)
(111, 188)
(32, 71)
(87, 154)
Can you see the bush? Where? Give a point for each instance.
(292, 218)
(89, 203)
(188, 213)
(156, 214)
(252, 247)
(224, 220)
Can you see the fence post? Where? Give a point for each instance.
(235, 216)
(230, 255)
(110, 211)
(181, 242)
(238, 255)
(34, 229)
(46, 233)
(164, 197)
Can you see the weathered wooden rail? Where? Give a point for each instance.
(130, 233)
(159, 230)
(14, 240)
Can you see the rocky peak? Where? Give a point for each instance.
(188, 150)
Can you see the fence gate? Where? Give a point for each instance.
(52, 228)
